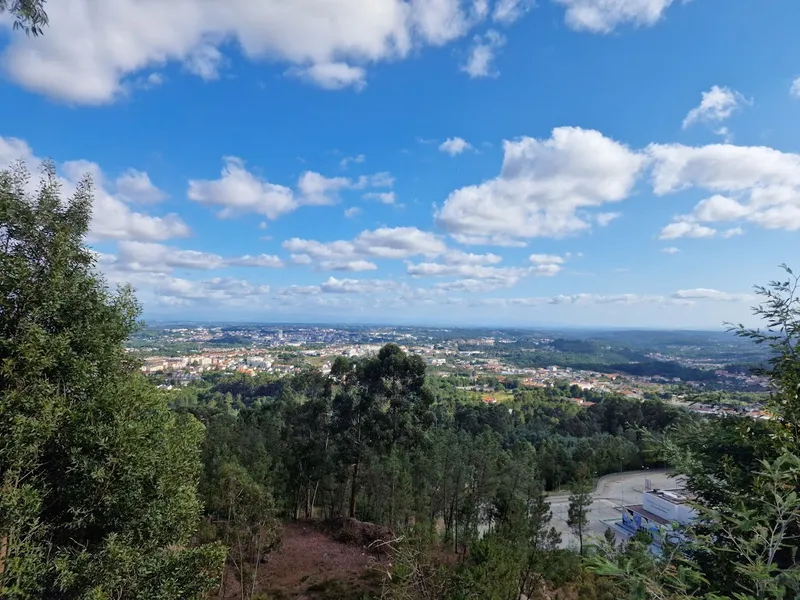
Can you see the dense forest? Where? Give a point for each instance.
(112, 488)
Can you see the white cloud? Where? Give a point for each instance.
(259, 260)
(349, 265)
(318, 190)
(670, 250)
(719, 208)
(717, 104)
(352, 212)
(686, 229)
(205, 61)
(754, 184)
(482, 54)
(382, 197)
(543, 259)
(387, 243)
(726, 134)
(474, 286)
(541, 187)
(604, 219)
(162, 288)
(92, 48)
(546, 270)
(454, 146)
(238, 191)
(112, 218)
(158, 258)
(348, 160)
(357, 286)
(794, 90)
(332, 76)
(708, 294)
(733, 231)
(603, 16)
(376, 180)
(509, 11)
(430, 269)
(399, 242)
(457, 257)
(135, 186)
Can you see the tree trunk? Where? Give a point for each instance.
(354, 490)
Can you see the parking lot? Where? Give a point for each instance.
(612, 491)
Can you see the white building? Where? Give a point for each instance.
(670, 505)
(658, 513)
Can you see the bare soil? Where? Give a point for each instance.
(311, 565)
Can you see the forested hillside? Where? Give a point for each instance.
(113, 489)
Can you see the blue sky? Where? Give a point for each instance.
(475, 162)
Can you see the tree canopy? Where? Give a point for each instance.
(98, 477)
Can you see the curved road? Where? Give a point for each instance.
(611, 492)
(607, 485)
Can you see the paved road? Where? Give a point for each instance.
(611, 492)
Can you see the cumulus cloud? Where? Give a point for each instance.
(159, 258)
(717, 104)
(480, 62)
(349, 265)
(454, 146)
(670, 250)
(238, 191)
(431, 269)
(351, 212)
(383, 243)
(542, 186)
(164, 289)
(91, 49)
(475, 273)
(458, 257)
(686, 229)
(794, 90)
(544, 259)
(332, 76)
(112, 217)
(603, 16)
(319, 190)
(754, 184)
(135, 186)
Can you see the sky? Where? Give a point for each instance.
(614, 163)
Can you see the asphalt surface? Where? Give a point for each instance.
(612, 491)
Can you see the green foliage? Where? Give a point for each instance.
(745, 476)
(98, 496)
(29, 15)
(578, 512)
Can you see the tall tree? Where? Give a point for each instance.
(97, 477)
(378, 403)
(578, 513)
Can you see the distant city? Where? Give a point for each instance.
(706, 372)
